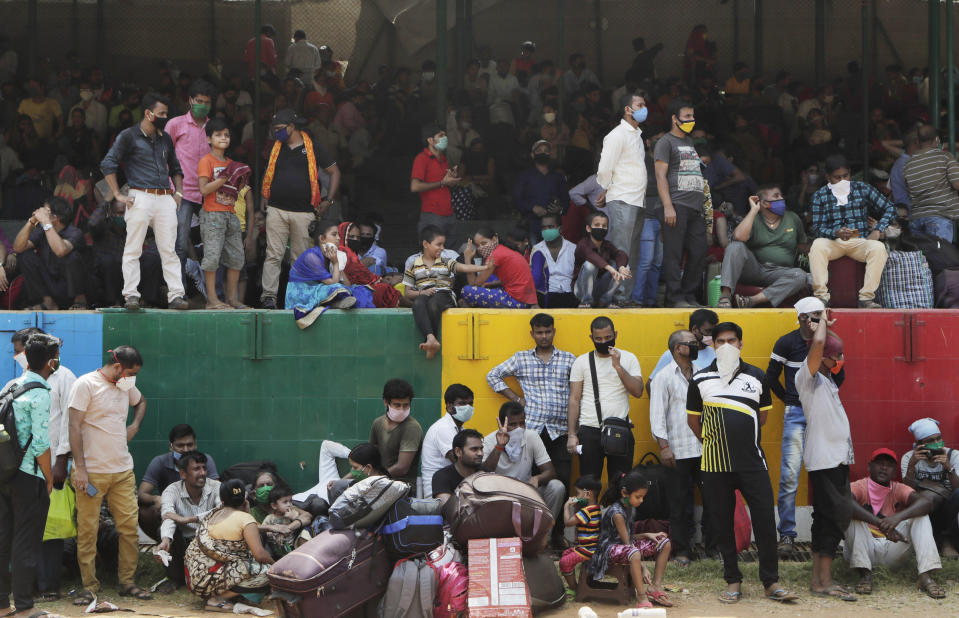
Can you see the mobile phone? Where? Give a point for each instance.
(91, 490)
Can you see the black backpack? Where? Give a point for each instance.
(11, 453)
(656, 503)
(938, 253)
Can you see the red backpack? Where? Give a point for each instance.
(451, 591)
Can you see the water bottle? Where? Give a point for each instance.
(645, 612)
(587, 612)
(714, 290)
(4, 436)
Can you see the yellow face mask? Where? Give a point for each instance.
(687, 127)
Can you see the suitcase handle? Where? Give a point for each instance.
(518, 522)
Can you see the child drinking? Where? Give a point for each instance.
(286, 526)
(617, 547)
(586, 518)
(315, 277)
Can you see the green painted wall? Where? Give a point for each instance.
(254, 386)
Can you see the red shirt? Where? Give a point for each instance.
(267, 53)
(513, 270)
(428, 167)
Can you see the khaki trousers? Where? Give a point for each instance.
(282, 227)
(120, 492)
(824, 250)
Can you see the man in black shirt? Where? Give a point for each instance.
(468, 452)
(48, 250)
(788, 355)
(291, 196)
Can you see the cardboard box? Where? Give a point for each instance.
(497, 582)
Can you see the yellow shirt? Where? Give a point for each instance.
(231, 527)
(43, 115)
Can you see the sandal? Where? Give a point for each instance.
(781, 596)
(136, 592)
(730, 597)
(836, 592)
(217, 306)
(659, 597)
(238, 305)
(644, 605)
(85, 597)
(724, 302)
(47, 597)
(932, 589)
(224, 607)
(681, 561)
(864, 586)
(743, 302)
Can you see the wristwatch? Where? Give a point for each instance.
(47, 226)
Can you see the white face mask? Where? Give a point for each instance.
(549, 117)
(841, 191)
(727, 361)
(463, 413)
(515, 446)
(126, 383)
(21, 359)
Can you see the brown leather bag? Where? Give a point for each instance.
(493, 506)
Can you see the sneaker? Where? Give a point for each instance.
(344, 303)
(869, 304)
(268, 302)
(786, 547)
(131, 303)
(179, 303)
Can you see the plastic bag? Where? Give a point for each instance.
(61, 518)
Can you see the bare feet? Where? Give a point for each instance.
(431, 346)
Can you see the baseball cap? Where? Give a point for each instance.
(808, 305)
(883, 451)
(286, 116)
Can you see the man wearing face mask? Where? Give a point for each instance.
(763, 253)
(95, 112)
(622, 174)
(600, 267)
(701, 325)
(438, 443)
(933, 469)
(513, 449)
(679, 180)
(25, 500)
(839, 222)
(432, 178)
(618, 377)
(396, 434)
(787, 357)
(932, 178)
(103, 467)
(539, 189)
(291, 195)
(680, 450)
(150, 162)
(188, 133)
(726, 407)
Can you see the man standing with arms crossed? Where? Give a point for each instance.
(150, 162)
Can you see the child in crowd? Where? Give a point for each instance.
(586, 518)
(518, 290)
(600, 266)
(315, 277)
(617, 547)
(220, 227)
(286, 526)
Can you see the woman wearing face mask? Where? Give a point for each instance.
(518, 290)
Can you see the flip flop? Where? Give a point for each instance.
(835, 592)
(725, 302)
(730, 597)
(781, 596)
(659, 597)
(136, 592)
(84, 598)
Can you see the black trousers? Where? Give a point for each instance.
(63, 279)
(558, 300)
(177, 552)
(591, 459)
(682, 478)
(151, 276)
(945, 526)
(23, 516)
(687, 236)
(428, 312)
(830, 508)
(50, 569)
(719, 495)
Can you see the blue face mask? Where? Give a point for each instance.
(640, 115)
(778, 207)
(282, 134)
(441, 143)
(177, 456)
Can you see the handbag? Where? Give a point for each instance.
(615, 434)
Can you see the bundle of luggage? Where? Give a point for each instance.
(393, 555)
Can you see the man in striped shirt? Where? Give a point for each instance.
(932, 178)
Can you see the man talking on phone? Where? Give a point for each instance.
(103, 467)
(932, 468)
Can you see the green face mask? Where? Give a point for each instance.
(358, 475)
(263, 494)
(200, 110)
(582, 502)
(935, 446)
(551, 234)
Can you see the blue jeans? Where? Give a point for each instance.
(650, 261)
(794, 432)
(935, 225)
(595, 287)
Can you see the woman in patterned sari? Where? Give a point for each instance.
(227, 556)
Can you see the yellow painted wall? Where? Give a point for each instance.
(476, 340)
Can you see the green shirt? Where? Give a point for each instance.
(777, 246)
(403, 438)
(32, 413)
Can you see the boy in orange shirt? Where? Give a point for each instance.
(219, 226)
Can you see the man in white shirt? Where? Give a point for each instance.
(513, 450)
(95, 113)
(553, 262)
(617, 375)
(503, 89)
(302, 55)
(622, 174)
(437, 450)
(933, 468)
(680, 449)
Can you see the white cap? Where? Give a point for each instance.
(808, 305)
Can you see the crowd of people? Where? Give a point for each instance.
(142, 194)
(218, 531)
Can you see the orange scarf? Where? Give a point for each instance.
(311, 164)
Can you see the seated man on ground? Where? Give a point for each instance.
(515, 451)
(840, 213)
(397, 435)
(438, 443)
(763, 253)
(286, 527)
(468, 453)
(48, 251)
(553, 262)
(184, 504)
(600, 267)
(889, 520)
(933, 470)
(163, 471)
